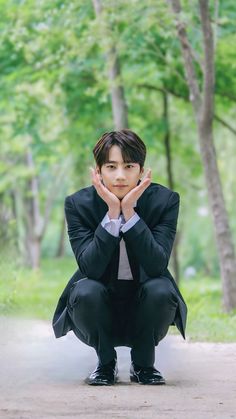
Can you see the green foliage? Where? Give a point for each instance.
(55, 100)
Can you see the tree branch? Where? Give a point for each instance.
(186, 99)
(225, 124)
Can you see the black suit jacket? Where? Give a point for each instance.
(148, 243)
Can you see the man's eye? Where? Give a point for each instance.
(110, 166)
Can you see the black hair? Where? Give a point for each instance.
(132, 147)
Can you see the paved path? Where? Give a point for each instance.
(43, 377)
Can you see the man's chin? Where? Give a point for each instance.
(120, 196)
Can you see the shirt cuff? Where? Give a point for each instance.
(130, 223)
(112, 225)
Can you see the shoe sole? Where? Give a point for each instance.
(99, 383)
(134, 379)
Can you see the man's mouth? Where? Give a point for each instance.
(120, 186)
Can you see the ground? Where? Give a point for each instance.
(43, 377)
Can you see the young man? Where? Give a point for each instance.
(121, 230)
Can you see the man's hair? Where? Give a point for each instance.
(132, 147)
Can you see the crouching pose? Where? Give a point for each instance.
(121, 230)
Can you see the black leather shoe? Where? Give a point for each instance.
(145, 375)
(104, 375)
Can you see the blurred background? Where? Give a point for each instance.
(72, 70)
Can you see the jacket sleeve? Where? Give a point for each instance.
(152, 247)
(92, 249)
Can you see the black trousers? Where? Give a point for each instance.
(137, 316)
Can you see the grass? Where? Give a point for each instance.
(206, 319)
(35, 294)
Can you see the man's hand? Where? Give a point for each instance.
(132, 196)
(111, 199)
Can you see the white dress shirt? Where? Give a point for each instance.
(114, 226)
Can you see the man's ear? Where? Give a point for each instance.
(141, 172)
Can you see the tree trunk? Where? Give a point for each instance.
(34, 251)
(19, 217)
(203, 106)
(119, 106)
(61, 246)
(33, 218)
(224, 241)
(35, 222)
(170, 177)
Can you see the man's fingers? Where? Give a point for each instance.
(92, 171)
(103, 191)
(145, 180)
(148, 174)
(96, 178)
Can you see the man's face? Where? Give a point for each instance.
(115, 173)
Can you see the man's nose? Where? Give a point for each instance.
(120, 174)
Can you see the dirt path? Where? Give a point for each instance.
(43, 377)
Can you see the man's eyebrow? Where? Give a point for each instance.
(113, 161)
